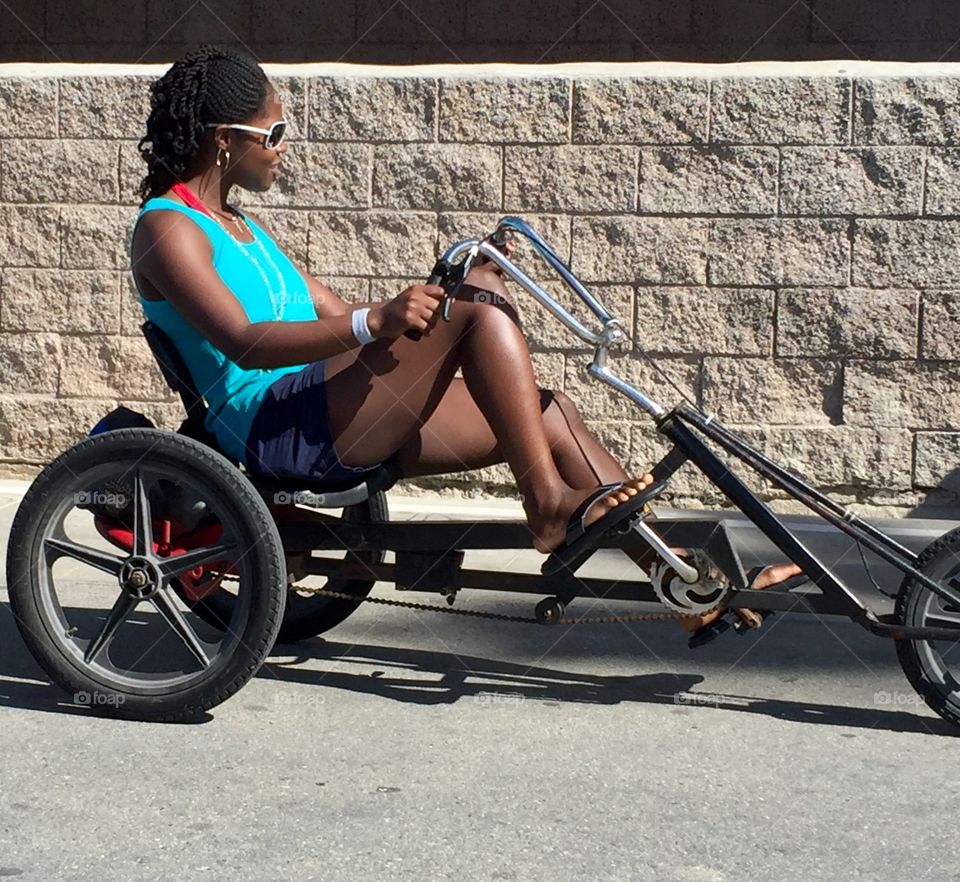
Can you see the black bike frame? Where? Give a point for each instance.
(677, 427)
(430, 556)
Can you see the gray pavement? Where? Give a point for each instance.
(411, 746)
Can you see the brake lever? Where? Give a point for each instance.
(441, 274)
(437, 277)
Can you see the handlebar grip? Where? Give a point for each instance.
(436, 278)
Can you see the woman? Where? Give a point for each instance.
(300, 382)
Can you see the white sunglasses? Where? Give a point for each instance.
(272, 137)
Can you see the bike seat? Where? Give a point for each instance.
(327, 494)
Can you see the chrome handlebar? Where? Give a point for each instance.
(609, 335)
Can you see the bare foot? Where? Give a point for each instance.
(772, 575)
(549, 527)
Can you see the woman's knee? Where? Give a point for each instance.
(484, 287)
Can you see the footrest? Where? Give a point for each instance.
(569, 558)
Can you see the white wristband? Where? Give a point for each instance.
(361, 330)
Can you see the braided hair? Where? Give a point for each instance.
(207, 85)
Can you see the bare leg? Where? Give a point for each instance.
(458, 438)
(381, 398)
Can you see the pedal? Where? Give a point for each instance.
(708, 633)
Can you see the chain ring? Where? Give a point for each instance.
(689, 599)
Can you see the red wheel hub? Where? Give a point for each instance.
(173, 540)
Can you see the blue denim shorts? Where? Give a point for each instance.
(290, 435)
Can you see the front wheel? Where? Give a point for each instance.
(933, 667)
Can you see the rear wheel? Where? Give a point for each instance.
(933, 667)
(98, 541)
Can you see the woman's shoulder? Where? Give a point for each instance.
(166, 235)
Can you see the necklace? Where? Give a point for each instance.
(277, 303)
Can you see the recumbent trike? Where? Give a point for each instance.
(136, 514)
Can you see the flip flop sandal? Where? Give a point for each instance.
(580, 541)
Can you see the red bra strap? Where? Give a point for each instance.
(188, 197)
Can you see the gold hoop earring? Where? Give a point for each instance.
(226, 158)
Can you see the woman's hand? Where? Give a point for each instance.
(415, 308)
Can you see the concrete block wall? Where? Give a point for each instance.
(782, 241)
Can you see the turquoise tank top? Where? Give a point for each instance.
(269, 288)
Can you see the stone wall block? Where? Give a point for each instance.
(29, 362)
(937, 460)
(716, 180)
(907, 110)
(906, 394)
(28, 107)
(778, 252)
(28, 235)
(779, 110)
(59, 171)
(437, 176)
(840, 458)
(643, 250)
(292, 92)
(99, 367)
(549, 370)
(943, 182)
(709, 321)
(39, 429)
(645, 110)
(614, 435)
(570, 179)
(851, 181)
(104, 107)
(498, 111)
(66, 301)
(893, 253)
(372, 108)
(858, 322)
(940, 329)
(773, 392)
(372, 243)
(95, 236)
(132, 171)
(319, 176)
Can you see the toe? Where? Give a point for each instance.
(775, 574)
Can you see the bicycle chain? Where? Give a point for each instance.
(476, 613)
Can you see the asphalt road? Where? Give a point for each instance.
(415, 746)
